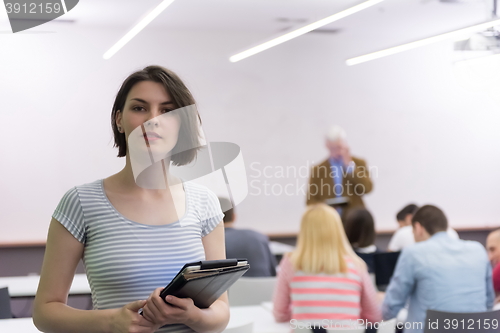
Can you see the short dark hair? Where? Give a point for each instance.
(226, 207)
(407, 210)
(188, 142)
(360, 227)
(431, 218)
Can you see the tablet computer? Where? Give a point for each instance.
(204, 281)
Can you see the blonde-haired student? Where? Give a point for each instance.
(323, 280)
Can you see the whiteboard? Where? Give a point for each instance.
(430, 139)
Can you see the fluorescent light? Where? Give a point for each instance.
(137, 28)
(303, 30)
(457, 34)
(64, 6)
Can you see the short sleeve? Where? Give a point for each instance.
(395, 242)
(70, 214)
(213, 214)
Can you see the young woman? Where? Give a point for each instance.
(360, 231)
(323, 281)
(135, 229)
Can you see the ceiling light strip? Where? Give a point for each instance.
(296, 33)
(137, 28)
(64, 6)
(461, 33)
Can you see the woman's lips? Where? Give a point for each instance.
(152, 136)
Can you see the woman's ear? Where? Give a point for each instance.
(118, 120)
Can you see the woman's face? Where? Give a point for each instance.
(150, 105)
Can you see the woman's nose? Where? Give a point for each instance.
(153, 119)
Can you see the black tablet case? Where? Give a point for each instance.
(204, 290)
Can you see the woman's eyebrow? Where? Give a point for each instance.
(143, 101)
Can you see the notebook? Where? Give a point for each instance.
(205, 281)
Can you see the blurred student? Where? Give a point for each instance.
(439, 273)
(250, 244)
(323, 279)
(403, 237)
(360, 231)
(493, 247)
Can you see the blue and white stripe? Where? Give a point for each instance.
(125, 260)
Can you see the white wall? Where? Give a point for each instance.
(430, 140)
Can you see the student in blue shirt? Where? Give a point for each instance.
(438, 273)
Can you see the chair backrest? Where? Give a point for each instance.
(304, 328)
(5, 311)
(353, 330)
(388, 326)
(251, 291)
(245, 328)
(383, 267)
(440, 321)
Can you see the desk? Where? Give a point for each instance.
(278, 248)
(26, 286)
(18, 325)
(261, 317)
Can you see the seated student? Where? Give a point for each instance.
(360, 231)
(323, 279)
(496, 286)
(403, 237)
(439, 273)
(250, 244)
(493, 247)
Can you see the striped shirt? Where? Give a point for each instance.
(125, 260)
(317, 298)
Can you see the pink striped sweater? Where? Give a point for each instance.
(311, 298)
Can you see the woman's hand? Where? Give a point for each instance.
(178, 311)
(127, 319)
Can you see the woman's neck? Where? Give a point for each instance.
(154, 177)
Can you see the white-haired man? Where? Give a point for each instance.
(341, 180)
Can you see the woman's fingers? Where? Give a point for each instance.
(152, 313)
(135, 306)
(182, 303)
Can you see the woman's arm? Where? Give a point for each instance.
(282, 293)
(370, 305)
(52, 314)
(212, 319)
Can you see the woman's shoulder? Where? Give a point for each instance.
(83, 188)
(199, 192)
(358, 267)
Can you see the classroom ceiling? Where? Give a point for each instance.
(270, 16)
(390, 22)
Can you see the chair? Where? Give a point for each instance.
(388, 326)
(354, 330)
(384, 265)
(245, 328)
(304, 329)
(5, 310)
(251, 291)
(483, 322)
